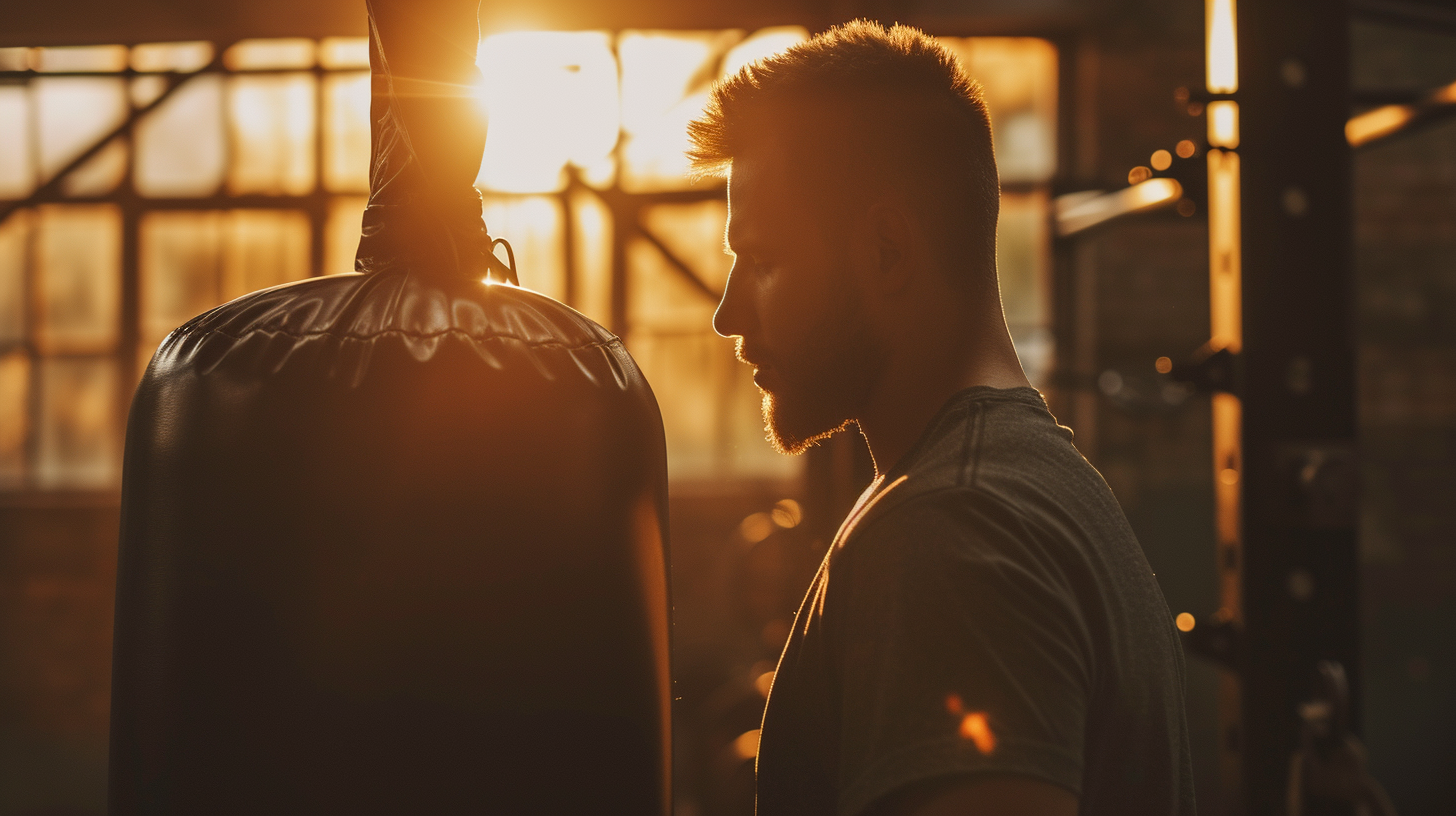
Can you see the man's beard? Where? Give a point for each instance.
(819, 391)
(793, 434)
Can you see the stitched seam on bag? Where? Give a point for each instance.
(400, 333)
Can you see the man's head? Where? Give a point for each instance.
(854, 160)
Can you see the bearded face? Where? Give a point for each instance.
(793, 303)
(814, 388)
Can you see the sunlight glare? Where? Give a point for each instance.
(663, 88)
(764, 43)
(550, 99)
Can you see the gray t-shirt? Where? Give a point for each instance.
(985, 609)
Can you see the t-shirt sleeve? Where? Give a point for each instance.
(961, 651)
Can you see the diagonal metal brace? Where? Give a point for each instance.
(677, 263)
(50, 190)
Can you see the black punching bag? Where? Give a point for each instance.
(393, 542)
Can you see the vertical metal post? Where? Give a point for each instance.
(1297, 480)
(318, 209)
(624, 219)
(568, 239)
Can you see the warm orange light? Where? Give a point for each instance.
(550, 99)
(1185, 622)
(1373, 124)
(246, 55)
(1138, 175)
(766, 42)
(764, 683)
(344, 52)
(1163, 365)
(1076, 212)
(954, 705)
(787, 514)
(976, 728)
(756, 527)
(1221, 46)
(1186, 149)
(79, 58)
(1223, 124)
(179, 56)
(746, 744)
(1161, 160)
(1224, 256)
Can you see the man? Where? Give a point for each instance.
(985, 635)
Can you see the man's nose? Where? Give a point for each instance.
(728, 319)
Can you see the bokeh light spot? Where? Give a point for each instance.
(976, 728)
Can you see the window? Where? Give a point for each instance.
(229, 173)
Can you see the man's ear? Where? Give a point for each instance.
(890, 244)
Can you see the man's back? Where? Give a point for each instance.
(990, 612)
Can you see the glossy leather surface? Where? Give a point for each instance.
(392, 544)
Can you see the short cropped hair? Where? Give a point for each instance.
(877, 105)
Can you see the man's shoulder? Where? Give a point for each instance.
(926, 528)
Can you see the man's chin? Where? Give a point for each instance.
(792, 434)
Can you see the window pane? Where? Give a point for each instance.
(80, 58)
(533, 228)
(193, 261)
(551, 99)
(592, 221)
(264, 248)
(344, 52)
(14, 402)
(13, 235)
(180, 144)
(763, 43)
(14, 59)
(78, 277)
(17, 176)
(102, 172)
(79, 444)
(346, 132)
(248, 55)
(271, 126)
(173, 56)
(661, 297)
(665, 80)
(1022, 241)
(73, 113)
(181, 262)
(688, 377)
(1019, 77)
(346, 215)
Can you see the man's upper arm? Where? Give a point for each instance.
(962, 653)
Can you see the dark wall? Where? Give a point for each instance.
(57, 578)
(1405, 263)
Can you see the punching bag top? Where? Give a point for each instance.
(351, 315)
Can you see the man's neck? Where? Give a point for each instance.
(915, 386)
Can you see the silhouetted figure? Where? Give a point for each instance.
(984, 635)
